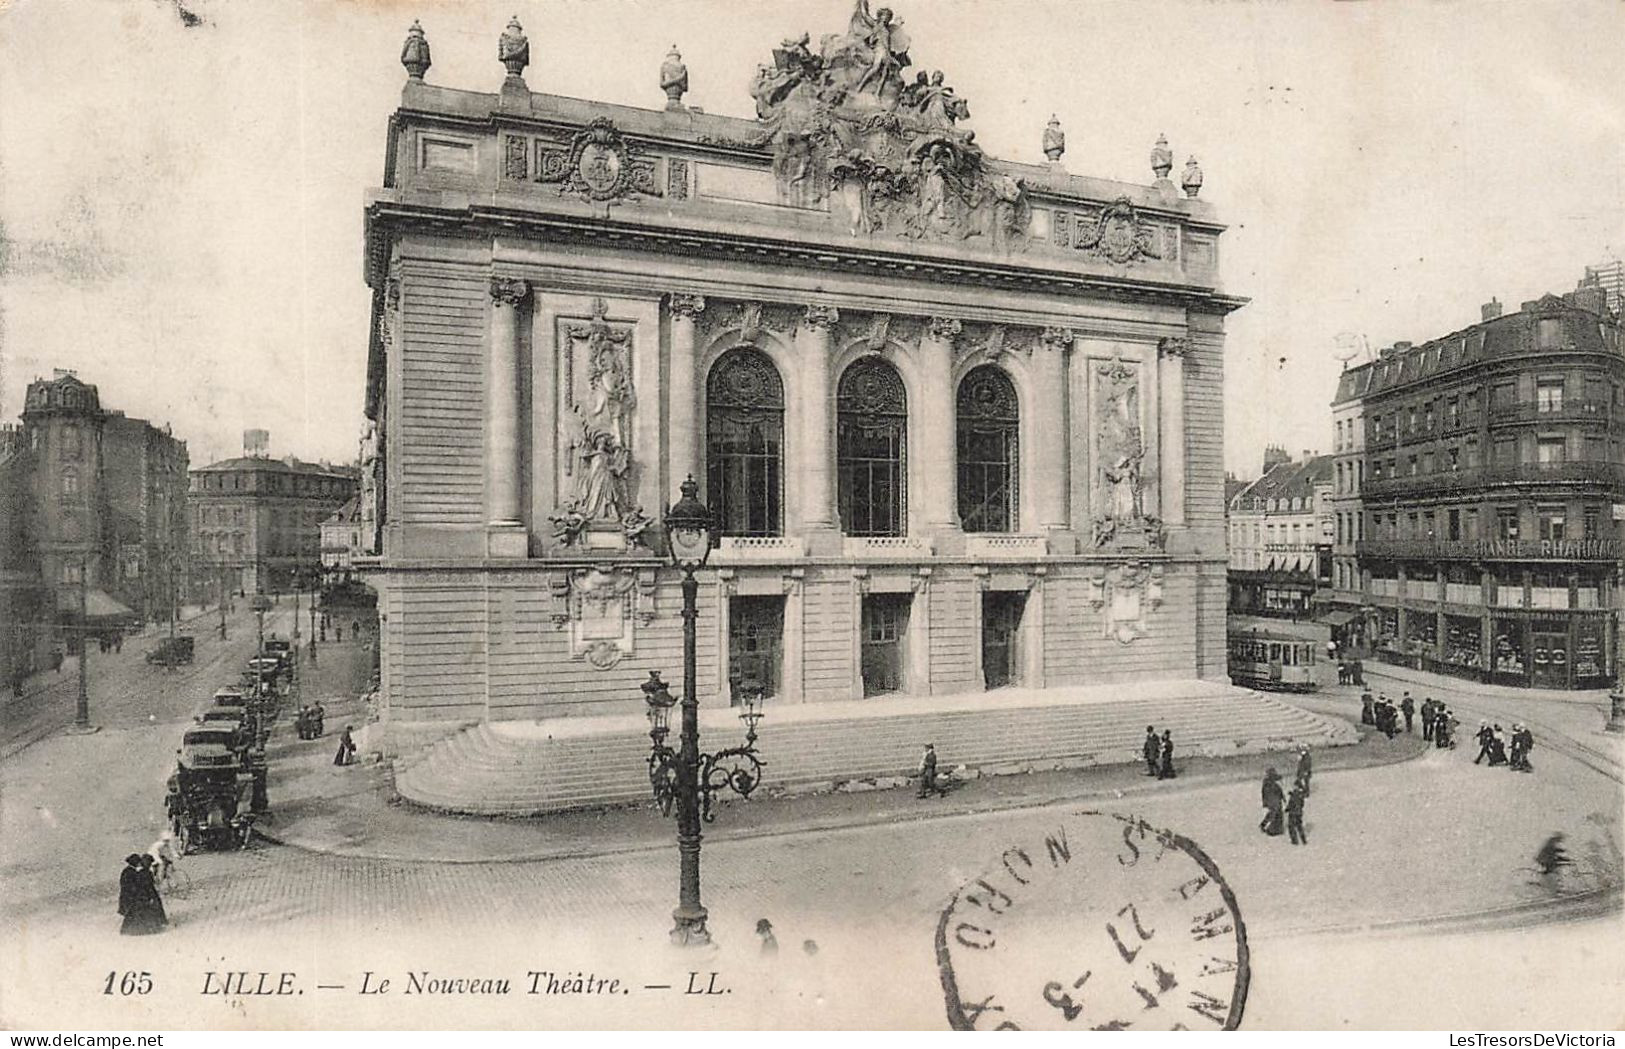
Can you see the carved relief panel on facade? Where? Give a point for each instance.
(1118, 457)
(1127, 594)
(603, 607)
(598, 463)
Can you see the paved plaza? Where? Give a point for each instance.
(1403, 839)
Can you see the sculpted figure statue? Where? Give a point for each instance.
(888, 48)
(603, 478)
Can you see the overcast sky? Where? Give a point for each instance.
(182, 204)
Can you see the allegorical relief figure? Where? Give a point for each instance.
(1121, 452)
(600, 459)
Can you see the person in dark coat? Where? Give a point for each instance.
(928, 773)
(1523, 741)
(1273, 798)
(1152, 750)
(770, 943)
(1368, 709)
(1294, 816)
(1428, 708)
(1306, 768)
(1407, 708)
(1166, 770)
(1483, 735)
(138, 899)
(346, 754)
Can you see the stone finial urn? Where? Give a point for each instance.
(1054, 140)
(1191, 181)
(415, 52)
(513, 49)
(1162, 158)
(673, 78)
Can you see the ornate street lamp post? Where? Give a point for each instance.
(685, 777)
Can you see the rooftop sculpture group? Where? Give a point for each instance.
(843, 120)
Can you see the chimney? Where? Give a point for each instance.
(1385, 353)
(1404, 346)
(64, 373)
(1491, 309)
(1274, 455)
(256, 443)
(1308, 455)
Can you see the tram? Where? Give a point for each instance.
(1262, 659)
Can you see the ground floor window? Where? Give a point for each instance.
(755, 646)
(1422, 630)
(1589, 648)
(883, 643)
(1507, 648)
(1462, 641)
(1001, 637)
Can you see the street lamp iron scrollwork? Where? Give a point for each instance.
(686, 779)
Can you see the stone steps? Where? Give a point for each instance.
(484, 770)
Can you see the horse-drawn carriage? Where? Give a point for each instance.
(210, 802)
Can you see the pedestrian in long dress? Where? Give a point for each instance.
(1274, 798)
(138, 899)
(1166, 771)
(346, 752)
(1368, 713)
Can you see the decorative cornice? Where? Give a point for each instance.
(509, 291)
(686, 305)
(1001, 274)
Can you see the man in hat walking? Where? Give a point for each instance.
(928, 773)
(1305, 768)
(1152, 750)
(1294, 815)
(1408, 708)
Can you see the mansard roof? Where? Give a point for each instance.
(1508, 336)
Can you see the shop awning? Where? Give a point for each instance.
(1338, 617)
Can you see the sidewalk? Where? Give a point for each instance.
(353, 811)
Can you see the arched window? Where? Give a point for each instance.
(70, 481)
(988, 419)
(744, 425)
(871, 459)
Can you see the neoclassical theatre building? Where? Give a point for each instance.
(959, 420)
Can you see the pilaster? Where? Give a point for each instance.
(938, 501)
(815, 479)
(683, 381)
(502, 482)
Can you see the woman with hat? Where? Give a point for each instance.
(138, 899)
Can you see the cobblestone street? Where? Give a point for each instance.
(1454, 843)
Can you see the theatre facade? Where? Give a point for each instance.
(959, 419)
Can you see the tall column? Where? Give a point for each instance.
(1171, 375)
(683, 434)
(938, 502)
(816, 471)
(502, 434)
(1051, 475)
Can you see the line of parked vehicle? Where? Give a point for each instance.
(219, 787)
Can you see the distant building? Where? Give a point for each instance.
(1484, 537)
(26, 611)
(1609, 279)
(1281, 532)
(341, 538)
(107, 502)
(258, 520)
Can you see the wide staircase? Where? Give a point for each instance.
(517, 768)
